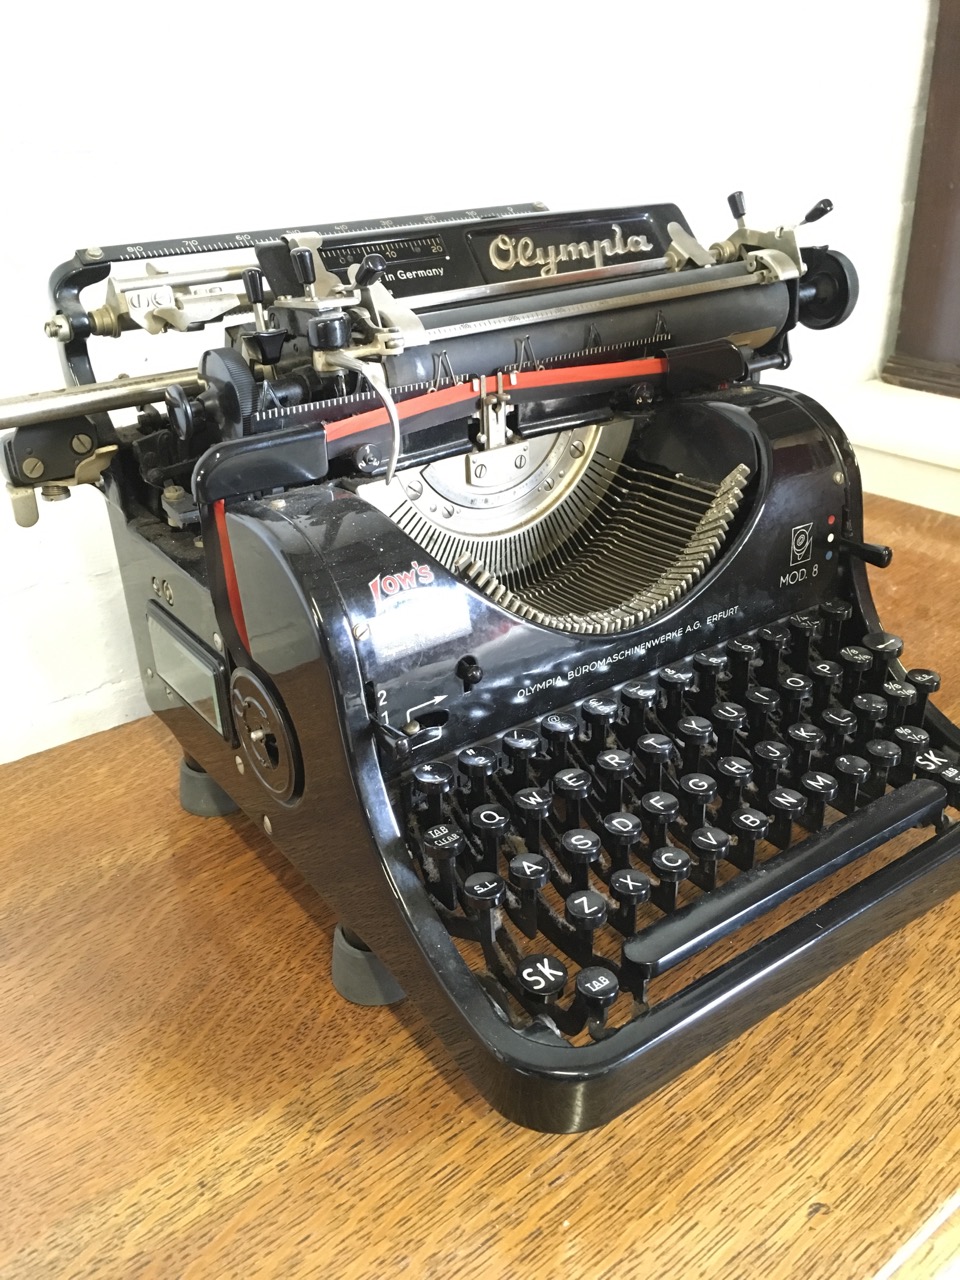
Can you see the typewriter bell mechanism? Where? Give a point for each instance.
(481, 570)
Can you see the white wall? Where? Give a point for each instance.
(126, 121)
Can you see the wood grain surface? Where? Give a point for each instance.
(183, 1094)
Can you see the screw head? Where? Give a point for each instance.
(480, 470)
(32, 468)
(414, 489)
(217, 642)
(447, 512)
(94, 252)
(578, 448)
(81, 443)
(155, 583)
(267, 825)
(361, 631)
(167, 592)
(238, 761)
(520, 461)
(149, 673)
(838, 477)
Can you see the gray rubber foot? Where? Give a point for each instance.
(201, 795)
(359, 976)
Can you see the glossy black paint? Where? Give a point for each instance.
(305, 562)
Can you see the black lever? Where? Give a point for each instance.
(819, 210)
(370, 270)
(305, 268)
(253, 288)
(737, 206)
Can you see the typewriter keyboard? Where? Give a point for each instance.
(580, 859)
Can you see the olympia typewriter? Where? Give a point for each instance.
(479, 567)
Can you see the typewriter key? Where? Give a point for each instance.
(838, 724)
(728, 718)
(659, 810)
(883, 648)
(930, 763)
(533, 808)
(675, 682)
(640, 699)
(925, 682)
(597, 988)
(761, 703)
(622, 832)
(804, 629)
(852, 772)
(629, 888)
(490, 822)
(787, 807)
(444, 844)
(655, 751)
(695, 733)
(711, 845)
(911, 740)
(950, 777)
(855, 663)
(770, 758)
(900, 698)
(529, 870)
(741, 653)
(484, 891)
(435, 780)
(586, 910)
(826, 676)
(709, 668)
(613, 770)
(559, 731)
(573, 786)
(541, 978)
(477, 765)
(749, 826)
(883, 756)
(598, 715)
(820, 789)
(870, 710)
(671, 866)
(804, 741)
(519, 746)
(835, 615)
(795, 692)
(734, 773)
(578, 851)
(697, 791)
(773, 641)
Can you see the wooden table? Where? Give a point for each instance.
(183, 1094)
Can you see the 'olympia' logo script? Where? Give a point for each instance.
(507, 252)
(387, 585)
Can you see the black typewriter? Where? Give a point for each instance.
(479, 567)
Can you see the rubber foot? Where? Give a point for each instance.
(359, 976)
(201, 795)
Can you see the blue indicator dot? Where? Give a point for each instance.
(829, 555)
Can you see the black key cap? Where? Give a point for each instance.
(599, 713)
(671, 867)
(695, 733)
(519, 746)
(529, 873)
(852, 772)
(883, 648)
(795, 692)
(586, 910)
(655, 751)
(596, 989)
(821, 789)
(578, 851)
(573, 786)
(482, 894)
(749, 826)
(855, 662)
(835, 614)
(533, 808)
(490, 822)
(883, 756)
(559, 731)
(804, 740)
(761, 703)
(826, 677)
(925, 682)
(659, 810)
(839, 724)
(674, 681)
(640, 697)
(931, 763)
(901, 697)
(950, 777)
(871, 711)
(541, 978)
(614, 768)
(770, 759)
(911, 740)
(629, 888)
(711, 845)
(697, 791)
(804, 629)
(728, 719)
(787, 807)
(773, 642)
(435, 780)
(443, 844)
(741, 654)
(622, 832)
(733, 774)
(477, 765)
(708, 668)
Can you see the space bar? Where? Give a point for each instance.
(753, 893)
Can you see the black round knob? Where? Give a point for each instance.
(787, 806)
(469, 671)
(585, 909)
(597, 987)
(621, 833)
(483, 890)
(443, 841)
(670, 864)
(180, 412)
(328, 333)
(529, 870)
(541, 977)
(253, 285)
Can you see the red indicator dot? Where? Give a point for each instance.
(831, 519)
